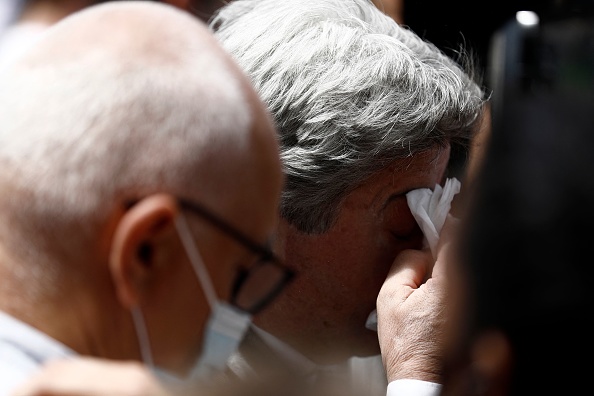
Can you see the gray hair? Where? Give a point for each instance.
(84, 130)
(350, 90)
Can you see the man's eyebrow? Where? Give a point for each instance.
(398, 195)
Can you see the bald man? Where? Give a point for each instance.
(140, 176)
(25, 20)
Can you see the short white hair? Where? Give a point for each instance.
(350, 91)
(84, 129)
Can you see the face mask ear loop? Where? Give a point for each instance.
(197, 263)
(143, 338)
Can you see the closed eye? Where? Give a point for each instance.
(399, 220)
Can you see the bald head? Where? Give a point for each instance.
(116, 102)
(126, 30)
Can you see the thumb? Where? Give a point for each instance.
(408, 271)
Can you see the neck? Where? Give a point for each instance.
(76, 316)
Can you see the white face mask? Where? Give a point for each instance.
(224, 330)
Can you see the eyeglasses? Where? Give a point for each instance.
(256, 286)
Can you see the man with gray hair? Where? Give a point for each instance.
(140, 178)
(366, 111)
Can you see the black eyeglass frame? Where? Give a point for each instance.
(265, 253)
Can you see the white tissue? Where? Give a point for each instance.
(430, 209)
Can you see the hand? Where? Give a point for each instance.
(412, 314)
(91, 377)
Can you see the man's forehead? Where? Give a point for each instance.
(401, 176)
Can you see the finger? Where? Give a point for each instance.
(409, 269)
(449, 230)
(443, 255)
(445, 247)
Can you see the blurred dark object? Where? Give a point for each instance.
(528, 238)
(553, 58)
(204, 9)
(472, 23)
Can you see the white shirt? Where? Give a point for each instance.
(23, 349)
(283, 349)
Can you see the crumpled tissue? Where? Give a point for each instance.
(430, 209)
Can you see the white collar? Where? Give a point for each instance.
(296, 358)
(285, 350)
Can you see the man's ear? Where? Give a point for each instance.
(134, 242)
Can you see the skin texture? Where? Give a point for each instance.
(323, 312)
(411, 331)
